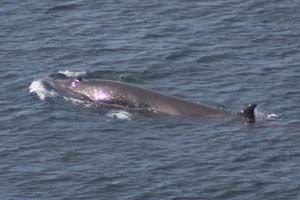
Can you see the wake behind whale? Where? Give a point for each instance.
(114, 94)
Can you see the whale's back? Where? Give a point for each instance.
(123, 94)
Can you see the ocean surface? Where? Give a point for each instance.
(225, 54)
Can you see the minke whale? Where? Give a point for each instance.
(129, 97)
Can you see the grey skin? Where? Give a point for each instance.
(126, 96)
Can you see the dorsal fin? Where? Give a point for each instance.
(248, 112)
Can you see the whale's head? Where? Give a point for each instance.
(79, 88)
(70, 85)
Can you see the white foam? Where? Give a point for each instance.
(39, 88)
(73, 100)
(73, 73)
(272, 116)
(119, 114)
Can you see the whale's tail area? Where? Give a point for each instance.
(248, 113)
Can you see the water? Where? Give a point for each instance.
(224, 54)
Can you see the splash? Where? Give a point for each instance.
(39, 88)
(265, 116)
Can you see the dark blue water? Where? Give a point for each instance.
(220, 53)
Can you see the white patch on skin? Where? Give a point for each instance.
(99, 95)
(73, 84)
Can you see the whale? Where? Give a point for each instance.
(130, 97)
